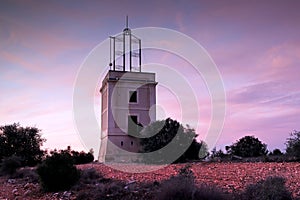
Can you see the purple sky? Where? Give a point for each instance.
(255, 44)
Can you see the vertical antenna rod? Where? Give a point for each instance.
(126, 21)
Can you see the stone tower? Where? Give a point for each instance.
(128, 99)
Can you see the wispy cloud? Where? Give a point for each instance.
(19, 61)
(257, 53)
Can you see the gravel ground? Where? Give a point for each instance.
(231, 177)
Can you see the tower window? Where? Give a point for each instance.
(122, 143)
(133, 119)
(131, 143)
(132, 124)
(133, 96)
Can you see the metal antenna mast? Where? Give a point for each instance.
(125, 51)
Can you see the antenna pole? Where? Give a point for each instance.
(124, 51)
(140, 54)
(126, 21)
(114, 53)
(130, 53)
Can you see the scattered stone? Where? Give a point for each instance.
(55, 195)
(27, 193)
(234, 157)
(67, 195)
(130, 185)
(15, 192)
(11, 181)
(131, 182)
(29, 186)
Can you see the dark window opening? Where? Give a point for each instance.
(133, 118)
(131, 143)
(132, 124)
(121, 143)
(132, 96)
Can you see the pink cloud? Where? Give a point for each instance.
(281, 62)
(272, 129)
(180, 21)
(48, 42)
(15, 59)
(257, 53)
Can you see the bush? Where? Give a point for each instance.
(176, 188)
(89, 176)
(10, 165)
(181, 141)
(78, 157)
(29, 174)
(273, 188)
(183, 186)
(206, 192)
(276, 152)
(57, 172)
(82, 157)
(293, 145)
(248, 146)
(24, 142)
(110, 190)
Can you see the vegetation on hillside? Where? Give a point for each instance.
(77, 157)
(57, 172)
(248, 146)
(23, 142)
(293, 145)
(171, 142)
(21, 146)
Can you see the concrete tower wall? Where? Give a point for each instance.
(119, 110)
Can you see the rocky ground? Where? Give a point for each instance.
(231, 177)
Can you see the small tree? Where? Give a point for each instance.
(183, 186)
(276, 152)
(82, 157)
(78, 157)
(10, 165)
(271, 188)
(22, 142)
(248, 146)
(293, 144)
(57, 172)
(217, 154)
(163, 132)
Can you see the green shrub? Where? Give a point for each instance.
(89, 176)
(10, 165)
(27, 173)
(82, 157)
(209, 192)
(293, 145)
(186, 172)
(248, 146)
(183, 186)
(110, 190)
(170, 132)
(273, 188)
(176, 188)
(78, 157)
(276, 152)
(57, 172)
(25, 142)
